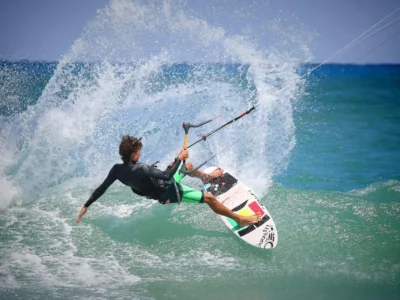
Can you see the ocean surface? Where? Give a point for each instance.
(322, 152)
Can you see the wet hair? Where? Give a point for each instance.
(128, 145)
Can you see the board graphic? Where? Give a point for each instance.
(235, 195)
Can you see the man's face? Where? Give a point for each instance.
(136, 155)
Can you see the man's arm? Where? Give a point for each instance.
(112, 176)
(164, 175)
(171, 170)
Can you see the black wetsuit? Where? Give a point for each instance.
(143, 179)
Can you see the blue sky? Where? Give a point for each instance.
(46, 29)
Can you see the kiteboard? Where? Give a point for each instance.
(235, 195)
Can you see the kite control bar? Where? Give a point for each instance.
(204, 137)
(187, 126)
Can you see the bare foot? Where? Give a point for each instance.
(247, 220)
(214, 174)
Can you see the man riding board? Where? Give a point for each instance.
(164, 186)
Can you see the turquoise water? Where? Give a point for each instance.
(323, 156)
(347, 129)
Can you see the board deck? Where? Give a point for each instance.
(235, 195)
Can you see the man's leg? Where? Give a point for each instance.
(203, 176)
(221, 209)
(195, 196)
(190, 195)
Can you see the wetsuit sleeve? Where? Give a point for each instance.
(112, 176)
(164, 175)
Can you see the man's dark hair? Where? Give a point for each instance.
(128, 145)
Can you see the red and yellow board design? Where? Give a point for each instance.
(248, 210)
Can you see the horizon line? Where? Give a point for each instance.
(198, 62)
